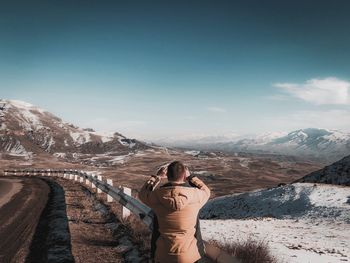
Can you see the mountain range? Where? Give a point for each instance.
(26, 129)
(328, 145)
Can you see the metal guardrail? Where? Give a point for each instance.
(135, 206)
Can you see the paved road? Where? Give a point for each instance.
(8, 188)
(22, 201)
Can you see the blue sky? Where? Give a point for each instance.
(153, 69)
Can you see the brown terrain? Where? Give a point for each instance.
(224, 173)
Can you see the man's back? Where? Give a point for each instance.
(176, 206)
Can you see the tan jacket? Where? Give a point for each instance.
(176, 207)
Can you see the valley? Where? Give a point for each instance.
(254, 194)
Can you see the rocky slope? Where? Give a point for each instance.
(336, 173)
(27, 130)
(292, 201)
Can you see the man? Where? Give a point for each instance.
(176, 205)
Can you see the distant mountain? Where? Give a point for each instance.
(195, 139)
(336, 173)
(328, 145)
(26, 130)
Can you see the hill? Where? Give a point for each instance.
(27, 130)
(300, 222)
(336, 173)
(292, 201)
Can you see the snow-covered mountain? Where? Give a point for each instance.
(26, 130)
(195, 139)
(329, 145)
(336, 173)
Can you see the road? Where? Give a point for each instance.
(22, 201)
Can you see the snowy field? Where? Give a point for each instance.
(300, 222)
(289, 240)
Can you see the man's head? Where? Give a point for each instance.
(176, 171)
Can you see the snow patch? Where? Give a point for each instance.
(80, 137)
(28, 120)
(193, 153)
(121, 159)
(291, 241)
(201, 172)
(295, 201)
(60, 155)
(126, 142)
(244, 162)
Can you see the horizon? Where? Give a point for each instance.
(180, 69)
(211, 138)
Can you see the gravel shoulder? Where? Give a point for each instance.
(96, 232)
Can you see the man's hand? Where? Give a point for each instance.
(162, 172)
(187, 173)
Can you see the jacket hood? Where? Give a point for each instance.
(174, 198)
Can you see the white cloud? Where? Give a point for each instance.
(216, 109)
(319, 91)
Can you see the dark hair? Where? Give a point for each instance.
(175, 171)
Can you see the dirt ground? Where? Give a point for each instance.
(223, 173)
(97, 235)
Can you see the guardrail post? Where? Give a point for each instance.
(71, 175)
(87, 181)
(93, 186)
(76, 175)
(99, 177)
(109, 198)
(125, 211)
